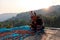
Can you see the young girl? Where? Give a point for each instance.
(37, 23)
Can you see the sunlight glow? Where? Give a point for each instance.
(46, 9)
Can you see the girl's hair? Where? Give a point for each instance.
(35, 13)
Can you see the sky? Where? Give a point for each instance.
(17, 6)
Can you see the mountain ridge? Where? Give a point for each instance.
(52, 11)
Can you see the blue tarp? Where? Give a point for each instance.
(4, 30)
(26, 27)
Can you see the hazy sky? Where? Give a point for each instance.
(16, 6)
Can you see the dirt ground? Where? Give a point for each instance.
(50, 35)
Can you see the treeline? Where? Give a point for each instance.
(52, 21)
(49, 21)
(13, 23)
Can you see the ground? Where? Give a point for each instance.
(50, 35)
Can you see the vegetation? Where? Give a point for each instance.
(49, 21)
(52, 21)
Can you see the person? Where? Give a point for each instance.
(40, 26)
(37, 23)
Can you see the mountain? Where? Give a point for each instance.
(24, 16)
(6, 16)
(52, 11)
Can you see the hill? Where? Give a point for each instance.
(6, 16)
